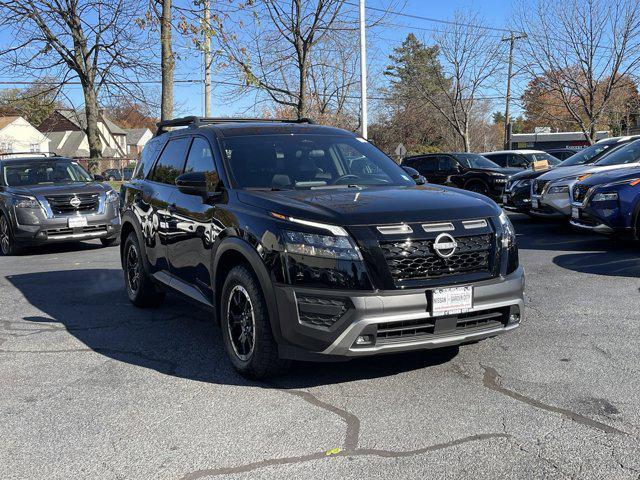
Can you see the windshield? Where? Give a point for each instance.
(587, 155)
(473, 160)
(538, 156)
(43, 173)
(629, 153)
(309, 161)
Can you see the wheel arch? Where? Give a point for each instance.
(234, 251)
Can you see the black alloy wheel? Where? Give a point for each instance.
(241, 323)
(140, 288)
(8, 245)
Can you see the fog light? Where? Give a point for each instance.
(514, 317)
(364, 340)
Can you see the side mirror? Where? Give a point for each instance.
(415, 175)
(99, 178)
(197, 183)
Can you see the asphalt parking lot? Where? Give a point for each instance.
(93, 388)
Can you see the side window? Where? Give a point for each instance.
(500, 159)
(427, 165)
(446, 164)
(200, 159)
(518, 161)
(169, 165)
(148, 155)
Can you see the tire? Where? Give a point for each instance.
(246, 329)
(140, 288)
(477, 187)
(8, 245)
(110, 242)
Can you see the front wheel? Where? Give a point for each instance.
(478, 187)
(246, 329)
(140, 289)
(8, 245)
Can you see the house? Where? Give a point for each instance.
(18, 135)
(137, 138)
(66, 129)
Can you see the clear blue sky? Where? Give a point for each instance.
(189, 97)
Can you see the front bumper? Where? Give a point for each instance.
(36, 226)
(540, 208)
(516, 200)
(605, 219)
(498, 307)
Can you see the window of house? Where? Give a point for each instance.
(34, 147)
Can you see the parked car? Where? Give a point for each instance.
(115, 174)
(309, 243)
(561, 153)
(469, 171)
(520, 159)
(608, 202)
(518, 189)
(550, 193)
(45, 200)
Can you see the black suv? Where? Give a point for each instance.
(53, 199)
(463, 170)
(307, 242)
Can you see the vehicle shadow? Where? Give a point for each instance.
(558, 235)
(617, 264)
(177, 338)
(64, 247)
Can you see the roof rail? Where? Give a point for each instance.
(195, 122)
(28, 154)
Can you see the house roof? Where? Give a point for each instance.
(79, 119)
(4, 121)
(135, 134)
(71, 145)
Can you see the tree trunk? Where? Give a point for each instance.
(167, 62)
(92, 112)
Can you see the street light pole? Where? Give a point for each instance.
(207, 58)
(363, 71)
(507, 121)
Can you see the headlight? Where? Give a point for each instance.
(508, 232)
(26, 202)
(521, 184)
(112, 196)
(323, 246)
(605, 197)
(558, 189)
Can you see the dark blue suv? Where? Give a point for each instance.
(608, 202)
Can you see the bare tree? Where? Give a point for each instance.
(584, 51)
(92, 42)
(276, 53)
(471, 60)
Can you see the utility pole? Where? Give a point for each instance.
(507, 121)
(363, 71)
(207, 58)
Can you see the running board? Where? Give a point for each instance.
(181, 286)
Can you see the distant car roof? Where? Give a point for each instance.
(34, 158)
(514, 151)
(627, 138)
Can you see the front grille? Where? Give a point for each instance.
(579, 192)
(410, 330)
(417, 259)
(61, 204)
(538, 186)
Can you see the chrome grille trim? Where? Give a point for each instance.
(394, 229)
(438, 227)
(470, 224)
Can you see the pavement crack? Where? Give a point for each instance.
(491, 381)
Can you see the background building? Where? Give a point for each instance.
(18, 135)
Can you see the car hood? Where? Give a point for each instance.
(61, 189)
(505, 171)
(374, 205)
(528, 174)
(612, 175)
(563, 172)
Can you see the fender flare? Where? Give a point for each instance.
(245, 249)
(129, 218)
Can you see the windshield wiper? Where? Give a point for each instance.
(335, 187)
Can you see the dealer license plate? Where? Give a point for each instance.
(535, 203)
(575, 213)
(451, 301)
(77, 222)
